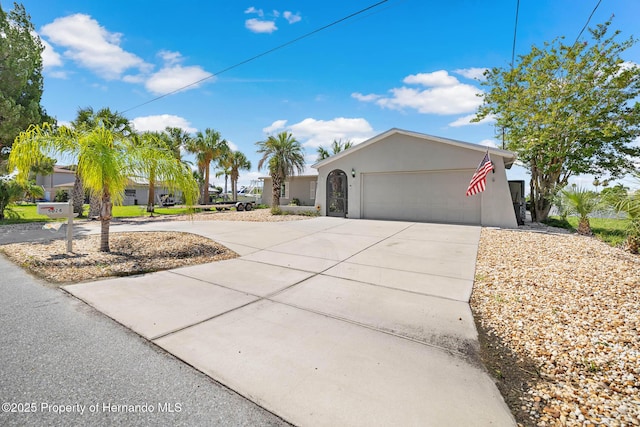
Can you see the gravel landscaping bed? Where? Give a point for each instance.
(559, 321)
(131, 253)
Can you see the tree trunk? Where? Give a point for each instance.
(277, 182)
(542, 207)
(584, 227)
(206, 186)
(78, 196)
(234, 188)
(152, 193)
(105, 218)
(94, 206)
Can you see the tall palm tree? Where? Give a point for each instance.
(106, 159)
(176, 139)
(283, 155)
(337, 146)
(154, 142)
(237, 162)
(207, 147)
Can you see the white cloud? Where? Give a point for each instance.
(471, 73)
(444, 95)
(92, 46)
(50, 58)
(252, 9)
(291, 17)
(232, 146)
(437, 78)
(466, 121)
(365, 98)
(277, 125)
(58, 74)
(314, 133)
(259, 26)
(172, 76)
(488, 143)
(160, 122)
(169, 57)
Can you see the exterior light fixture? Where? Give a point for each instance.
(353, 172)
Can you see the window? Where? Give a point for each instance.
(312, 190)
(130, 192)
(284, 190)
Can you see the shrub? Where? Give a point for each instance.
(276, 210)
(61, 196)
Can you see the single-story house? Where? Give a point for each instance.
(61, 179)
(300, 187)
(409, 176)
(136, 192)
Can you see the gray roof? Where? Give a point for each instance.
(509, 157)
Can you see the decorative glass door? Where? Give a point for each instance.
(337, 194)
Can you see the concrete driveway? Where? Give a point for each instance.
(325, 321)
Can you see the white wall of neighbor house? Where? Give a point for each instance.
(410, 178)
(139, 195)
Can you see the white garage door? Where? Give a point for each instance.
(420, 196)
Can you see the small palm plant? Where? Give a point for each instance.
(581, 202)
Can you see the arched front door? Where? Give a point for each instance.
(337, 193)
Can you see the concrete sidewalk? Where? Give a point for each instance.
(325, 321)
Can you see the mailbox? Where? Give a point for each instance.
(54, 210)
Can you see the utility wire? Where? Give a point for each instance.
(587, 23)
(260, 55)
(515, 33)
(513, 56)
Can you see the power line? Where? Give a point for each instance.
(515, 33)
(587, 23)
(260, 55)
(513, 56)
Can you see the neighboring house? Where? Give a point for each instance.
(60, 179)
(300, 187)
(409, 176)
(136, 193)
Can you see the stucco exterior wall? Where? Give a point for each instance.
(405, 153)
(299, 188)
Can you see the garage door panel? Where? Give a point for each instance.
(420, 196)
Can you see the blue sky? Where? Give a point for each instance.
(409, 64)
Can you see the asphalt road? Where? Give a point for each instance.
(63, 363)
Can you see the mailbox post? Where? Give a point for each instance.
(60, 210)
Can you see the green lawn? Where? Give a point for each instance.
(27, 212)
(609, 230)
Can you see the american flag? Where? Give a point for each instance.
(479, 178)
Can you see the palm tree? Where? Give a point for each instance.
(176, 139)
(284, 155)
(206, 147)
(336, 146)
(581, 202)
(10, 191)
(152, 141)
(87, 119)
(237, 162)
(32, 191)
(106, 159)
